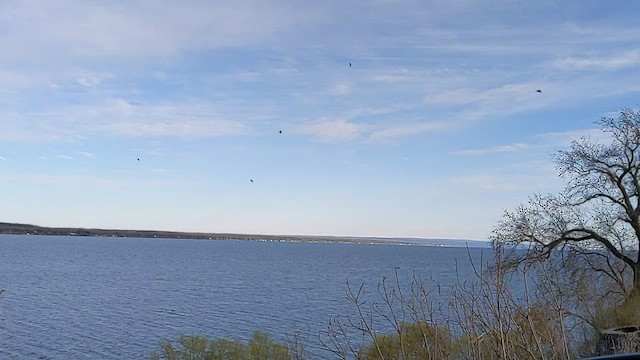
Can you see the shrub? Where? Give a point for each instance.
(259, 347)
(414, 341)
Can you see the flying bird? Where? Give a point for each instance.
(349, 64)
(280, 131)
(138, 159)
(539, 90)
(251, 180)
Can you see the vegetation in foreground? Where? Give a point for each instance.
(480, 320)
(259, 347)
(575, 254)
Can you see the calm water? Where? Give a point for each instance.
(108, 298)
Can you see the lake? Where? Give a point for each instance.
(117, 298)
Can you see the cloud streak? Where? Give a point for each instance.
(394, 133)
(614, 62)
(339, 89)
(465, 96)
(565, 138)
(137, 29)
(119, 117)
(328, 130)
(192, 120)
(493, 150)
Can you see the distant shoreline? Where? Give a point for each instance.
(26, 229)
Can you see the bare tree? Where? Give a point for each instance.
(596, 217)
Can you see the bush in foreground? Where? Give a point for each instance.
(259, 347)
(414, 341)
(536, 312)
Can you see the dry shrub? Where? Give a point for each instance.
(618, 314)
(480, 319)
(549, 310)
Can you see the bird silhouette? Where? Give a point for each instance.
(349, 64)
(539, 90)
(251, 180)
(138, 159)
(280, 131)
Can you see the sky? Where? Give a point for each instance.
(394, 118)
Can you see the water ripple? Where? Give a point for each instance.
(87, 298)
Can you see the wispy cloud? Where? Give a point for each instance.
(613, 62)
(339, 89)
(140, 29)
(173, 120)
(465, 96)
(392, 76)
(88, 180)
(469, 105)
(530, 177)
(332, 130)
(565, 138)
(90, 79)
(12, 81)
(495, 149)
(159, 170)
(87, 155)
(175, 127)
(2, 158)
(393, 133)
(532, 182)
(422, 64)
(122, 118)
(64, 157)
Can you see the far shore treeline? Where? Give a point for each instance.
(27, 229)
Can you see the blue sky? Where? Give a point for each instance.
(434, 130)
